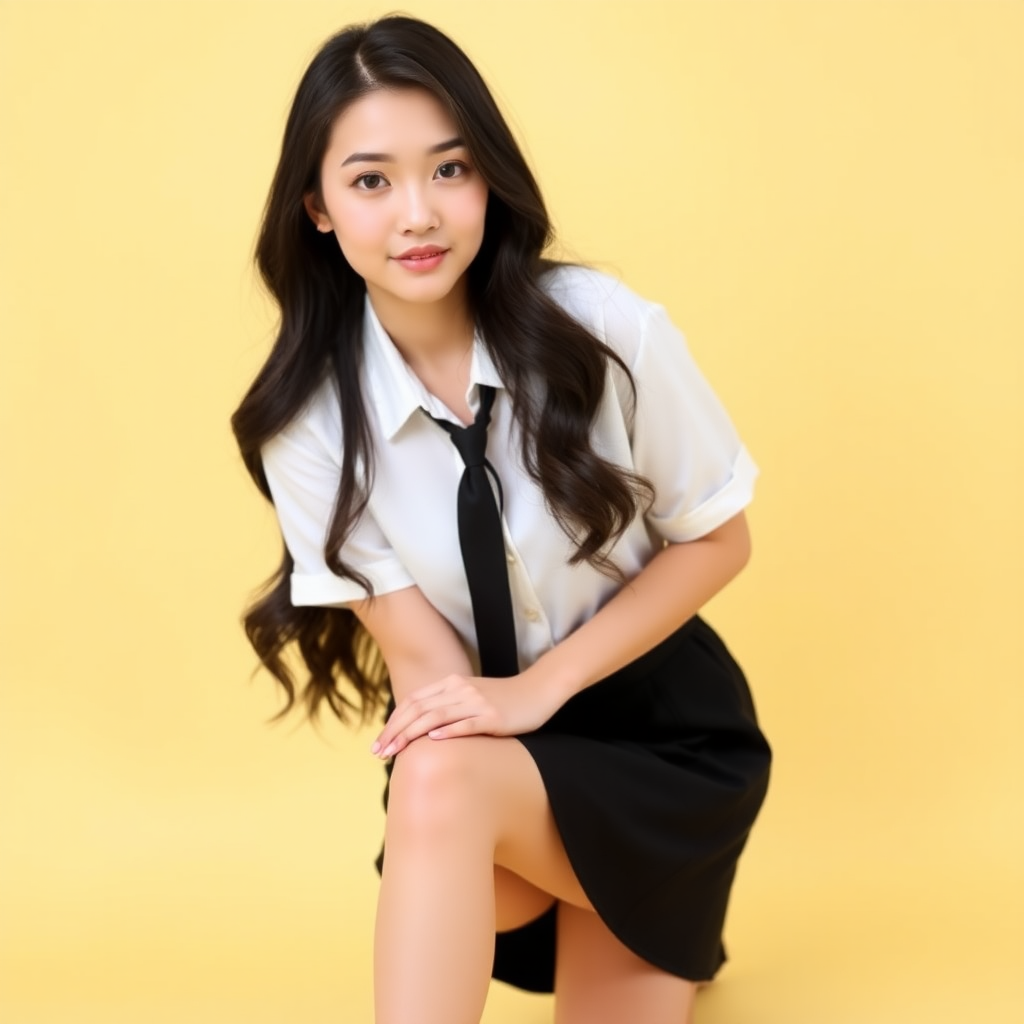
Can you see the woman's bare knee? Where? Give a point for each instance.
(484, 790)
(435, 788)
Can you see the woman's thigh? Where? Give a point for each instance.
(599, 981)
(516, 901)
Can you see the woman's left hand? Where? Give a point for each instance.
(465, 706)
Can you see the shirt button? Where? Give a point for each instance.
(510, 558)
(532, 614)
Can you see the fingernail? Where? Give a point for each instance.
(375, 747)
(389, 750)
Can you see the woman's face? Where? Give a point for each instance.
(402, 197)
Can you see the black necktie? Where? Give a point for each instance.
(483, 545)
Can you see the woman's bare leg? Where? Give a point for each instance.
(599, 981)
(516, 901)
(457, 809)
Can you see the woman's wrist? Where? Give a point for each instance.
(556, 677)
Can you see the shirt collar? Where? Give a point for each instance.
(396, 392)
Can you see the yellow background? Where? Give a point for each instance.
(828, 196)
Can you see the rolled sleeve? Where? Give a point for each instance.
(303, 475)
(683, 440)
(725, 503)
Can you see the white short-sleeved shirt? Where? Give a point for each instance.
(677, 435)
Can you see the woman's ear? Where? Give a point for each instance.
(316, 213)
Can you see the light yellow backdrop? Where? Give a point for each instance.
(829, 197)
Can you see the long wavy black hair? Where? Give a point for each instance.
(321, 301)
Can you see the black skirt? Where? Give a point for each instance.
(655, 776)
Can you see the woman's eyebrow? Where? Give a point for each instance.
(388, 158)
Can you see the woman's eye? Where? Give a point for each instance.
(451, 169)
(370, 182)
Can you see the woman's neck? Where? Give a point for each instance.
(436, 341)
(427, 334)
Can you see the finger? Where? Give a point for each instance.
(450, 690)
(421, 727)
(474, 725)
(406, 714)
(434, 718)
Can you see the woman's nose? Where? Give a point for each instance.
(418, 213)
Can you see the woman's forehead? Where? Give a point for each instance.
(393, 123)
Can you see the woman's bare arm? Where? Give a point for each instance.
(418, 643)
(672, 588)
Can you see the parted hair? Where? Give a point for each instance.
(552, 367)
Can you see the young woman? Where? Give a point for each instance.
(585, 793)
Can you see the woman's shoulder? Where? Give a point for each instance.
(316, 427)
(609, 309)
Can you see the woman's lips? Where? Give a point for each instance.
(421, 258)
